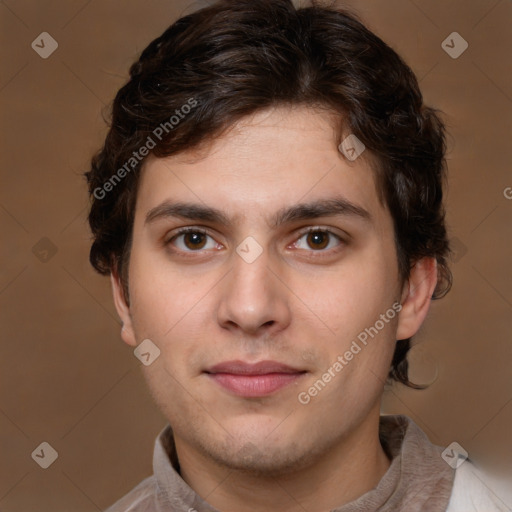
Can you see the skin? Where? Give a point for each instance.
(301, 302)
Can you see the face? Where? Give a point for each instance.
(287, 259)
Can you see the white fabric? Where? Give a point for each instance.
(473, 491)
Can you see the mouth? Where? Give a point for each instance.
(253, 380)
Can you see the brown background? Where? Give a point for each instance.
(66, 376)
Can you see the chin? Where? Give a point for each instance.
(263, 459)
(264, 447)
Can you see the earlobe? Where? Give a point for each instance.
(123, 310)
(416, 297)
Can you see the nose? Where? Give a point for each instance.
(253, 299)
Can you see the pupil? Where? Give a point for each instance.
(318, 239)
(194, 240)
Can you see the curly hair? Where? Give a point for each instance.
(237, 57)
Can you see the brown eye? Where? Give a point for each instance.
(318, 239)
(194, 240)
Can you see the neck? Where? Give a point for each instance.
(348, 470)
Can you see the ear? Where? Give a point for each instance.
(416, 297)
(123, 310)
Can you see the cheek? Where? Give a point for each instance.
(351, 299)
(175, 311)
(166, 300)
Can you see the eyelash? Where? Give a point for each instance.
(184, 231)
(331, 234)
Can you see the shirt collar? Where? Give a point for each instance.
(417, 478)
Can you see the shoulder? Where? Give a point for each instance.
(139, 499)
(475, 491)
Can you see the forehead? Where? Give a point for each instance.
(274, 158)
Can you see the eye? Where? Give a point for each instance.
(318, 240)
(192, 239)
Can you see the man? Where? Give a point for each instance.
(268, 204)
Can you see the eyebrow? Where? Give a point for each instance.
(188, 211)
(338, 206)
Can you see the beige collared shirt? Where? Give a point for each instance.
(418, 478)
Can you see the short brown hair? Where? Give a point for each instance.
(237, 57)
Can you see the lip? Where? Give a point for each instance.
(253, 380)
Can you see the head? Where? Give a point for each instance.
(229, 126)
